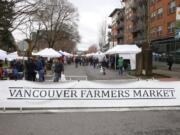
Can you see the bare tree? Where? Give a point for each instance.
(102, 34)
(57, 16)
(22, 10)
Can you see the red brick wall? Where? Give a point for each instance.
(162, 21)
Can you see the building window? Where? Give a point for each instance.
(160, 12)
(171, 27)
(159, 30)
(152, 2)
(153, 15)
(172, 7)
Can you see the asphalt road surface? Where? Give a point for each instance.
(92, 123)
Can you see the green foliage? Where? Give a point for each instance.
(6, 17)
(7, 41)
(6, 14)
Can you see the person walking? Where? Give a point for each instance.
(58, 69)
(170, 62)
(40, 70)
(76, 62)
(120, 65)
(20, 68)
(30, 67)
(104, 66)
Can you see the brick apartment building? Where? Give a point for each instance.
(120, 26)
(135, 21)
(113, 27)
(128, 35)
(162, 25)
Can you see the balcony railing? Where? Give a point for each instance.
(134, 18)
(172, 10)
(120, 35)
(140, 2)
(140, 26)
(120, 26)
(141, 12)
(121, 16)
(109, 26)
(133, 5)
(139, 37)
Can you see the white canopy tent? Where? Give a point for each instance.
(68, 54)
(14, 56)
(99, 55)
(127, 52)
(48, 52)
(65, 53)
(2, 51)
(90, 54)
(61, 52)
(124, 49)
(3, 54)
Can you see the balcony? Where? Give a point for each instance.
(133, 5)
(141, 12)
(109, 26)
(109, 34)
(120, 26)
(138, 27)
(172, 10)
(139, 37)
(121, 16)
(120, 35)
(140, 2)
(134, 18)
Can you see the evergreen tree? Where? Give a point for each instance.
(6, 17)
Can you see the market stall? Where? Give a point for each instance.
(3, 55)
(48, 53)
(127, 52)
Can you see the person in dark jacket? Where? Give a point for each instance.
(104, 66)
(170, 62)
(40, 69)
(58, 69)
(30, 70)
(76, 62)
(20, 68)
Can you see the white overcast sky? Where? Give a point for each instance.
(92, 13)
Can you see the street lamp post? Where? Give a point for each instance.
(23, 46)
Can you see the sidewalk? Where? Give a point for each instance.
(162, 69)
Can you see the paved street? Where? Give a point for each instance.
(92, 123)
(89, 73)
(94, 74)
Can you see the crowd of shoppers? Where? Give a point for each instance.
(32, 69)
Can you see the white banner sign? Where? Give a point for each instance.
(89, 94)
